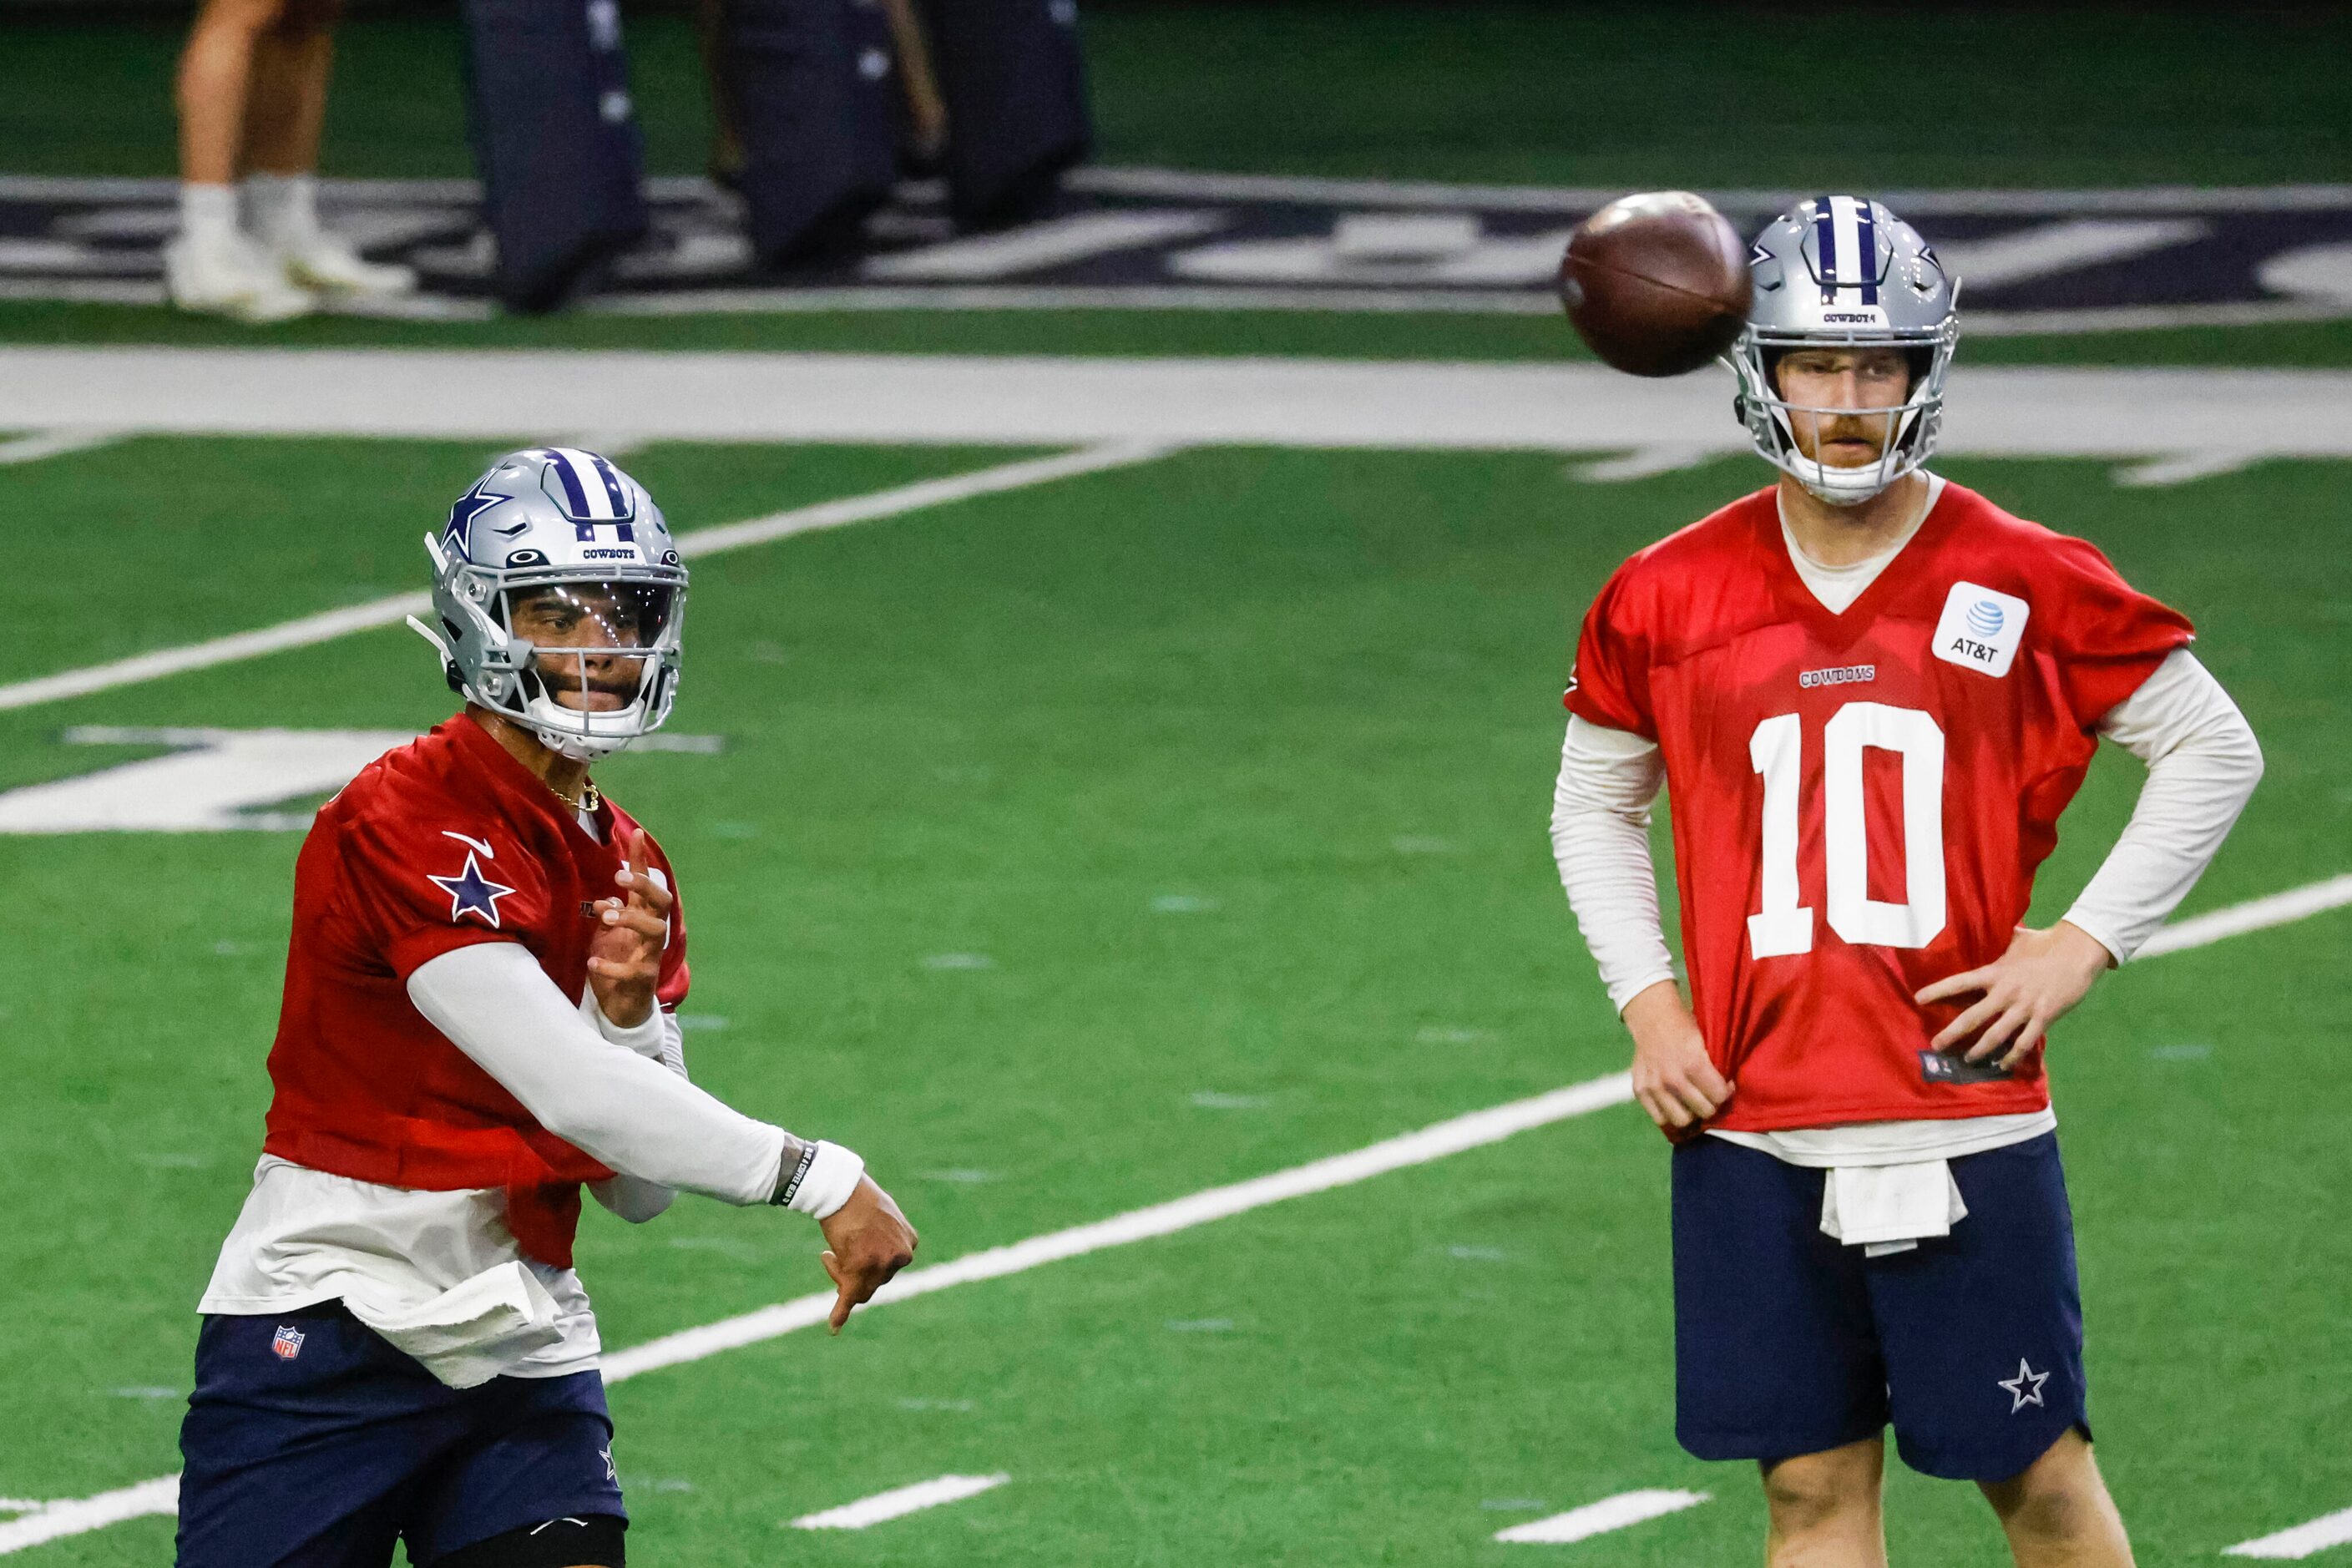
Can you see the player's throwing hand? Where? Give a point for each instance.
(624, 955)
(866, 1241)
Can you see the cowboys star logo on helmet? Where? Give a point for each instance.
(559, 597)
(1844, 272)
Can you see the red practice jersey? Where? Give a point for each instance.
(1860, 800)
(441, 843)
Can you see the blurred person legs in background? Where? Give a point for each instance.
(253, 97)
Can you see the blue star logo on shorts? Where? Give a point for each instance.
(471, 893)
(2025, 1388)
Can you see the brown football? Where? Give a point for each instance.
(1655, 284)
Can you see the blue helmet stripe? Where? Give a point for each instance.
(576, 495)
(1826, 237)
(613, 491)
(1865, 245)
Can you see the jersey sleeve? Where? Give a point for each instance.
(418, 886)
(2108, 637)
(1610, 685)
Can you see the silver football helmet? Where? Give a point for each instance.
(560, 600)
(1839, 272)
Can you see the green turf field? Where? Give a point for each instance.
(1093, 845)
(1225, 776)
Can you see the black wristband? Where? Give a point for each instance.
(792, 1184)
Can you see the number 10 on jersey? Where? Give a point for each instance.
(1783, 926)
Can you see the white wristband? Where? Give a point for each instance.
(822, 1181)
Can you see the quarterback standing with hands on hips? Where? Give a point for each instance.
(1871, 693)
(479, 1020)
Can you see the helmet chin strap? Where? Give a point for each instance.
(580, 748)
(1848, 487)
(1853, 492)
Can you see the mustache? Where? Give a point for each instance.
(560, 673)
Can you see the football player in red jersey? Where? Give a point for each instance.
(479, 1019)
(1870, 694)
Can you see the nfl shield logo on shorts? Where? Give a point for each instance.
(286, 1341)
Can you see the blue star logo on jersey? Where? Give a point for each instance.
(2025, 1388)
(471, 893)
(471, 505)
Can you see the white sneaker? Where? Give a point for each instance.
(231, 276)
(328, 263)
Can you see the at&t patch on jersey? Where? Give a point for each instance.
(1980, 629)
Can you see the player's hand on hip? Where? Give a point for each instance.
(1673, 1079)
(2023, 992)
(866, 1241)
(632, 927)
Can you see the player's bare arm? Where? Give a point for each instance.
(867, 1240)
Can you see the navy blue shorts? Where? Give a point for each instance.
(1787, 1342)
(325, 1457)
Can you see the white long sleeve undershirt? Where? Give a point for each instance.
(498, 1005)
(659, 1039)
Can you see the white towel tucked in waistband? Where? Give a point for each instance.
(1888, 1208)
(475, 1330)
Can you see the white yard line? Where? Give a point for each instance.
(333, 623)
(900, 1501)
(55, 443)
(1599, 1518)
(1436, 1141)
(2180, 470)
(1185, 184)
(2303, 1541)
(323, 627)
(2003, 411)
(1432, 1142)
(58, 1519)
(2255, 914)
(1042, 245)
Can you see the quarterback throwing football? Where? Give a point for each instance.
(1871, 693)
(479, 1021)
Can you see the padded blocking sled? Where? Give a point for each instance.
(1015, 86)
(815, 94)
(556, 139)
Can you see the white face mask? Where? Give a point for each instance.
(609, 647)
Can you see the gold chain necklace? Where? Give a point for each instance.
(589, 799)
